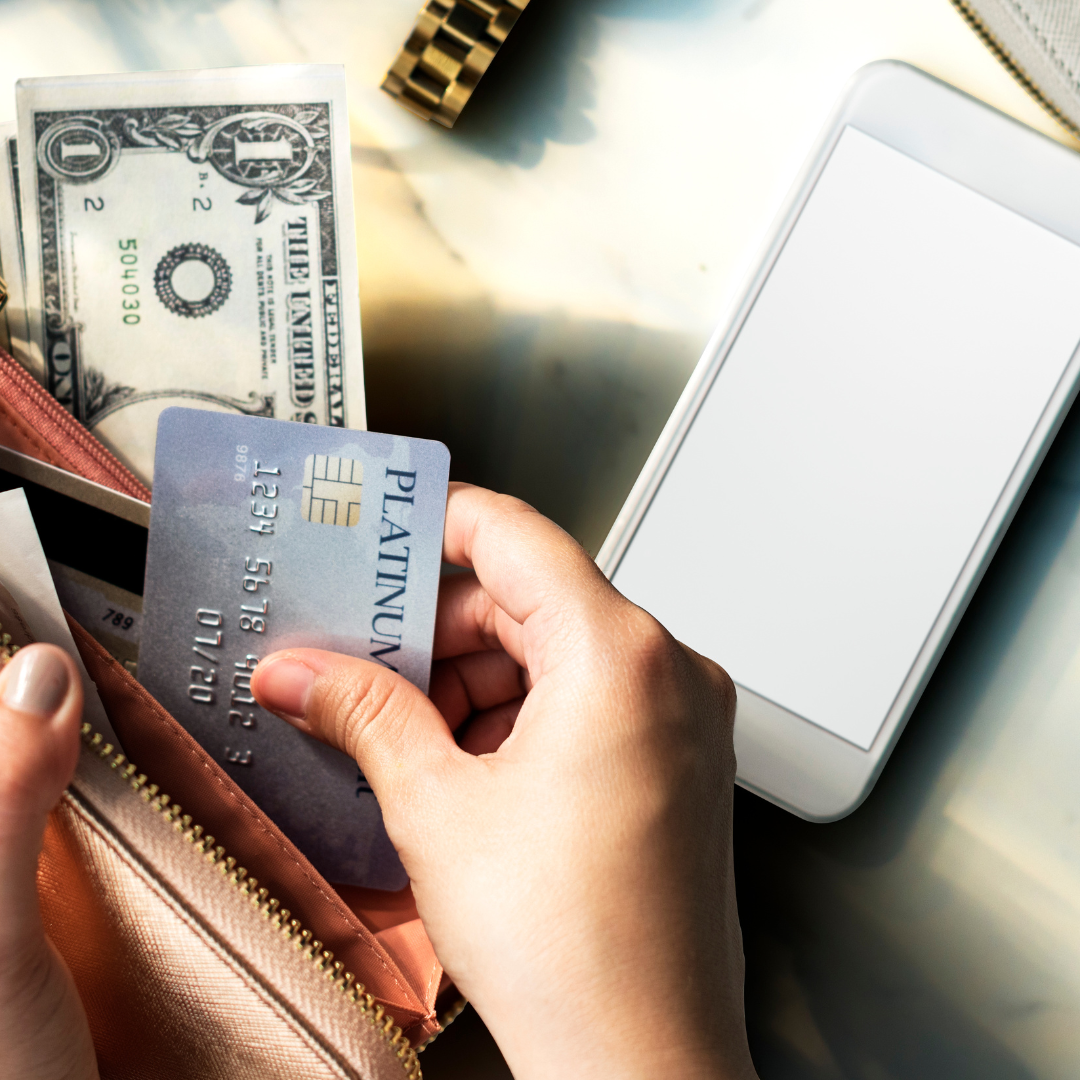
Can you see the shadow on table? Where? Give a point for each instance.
(839, 985)
(465, 1051)
(540, 85)
(558, 411)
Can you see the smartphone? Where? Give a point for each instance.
(861, 429)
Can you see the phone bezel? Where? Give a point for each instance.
(786, 759)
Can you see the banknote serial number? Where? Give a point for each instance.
(129, 285)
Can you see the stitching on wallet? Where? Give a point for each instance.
(240, 805)
(436, 969)
(30, 435)
(252, 981)
(55, 414)
(46, 404)
(1042, 37)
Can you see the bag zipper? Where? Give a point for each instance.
(972, 18)
(271, 910)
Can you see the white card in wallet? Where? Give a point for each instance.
(24, 572)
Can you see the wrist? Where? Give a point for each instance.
(588, 1053)
(643, 1041)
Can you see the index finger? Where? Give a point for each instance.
(523, 560)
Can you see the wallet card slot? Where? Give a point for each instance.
(84, 537)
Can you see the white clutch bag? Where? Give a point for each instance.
(1039, 42)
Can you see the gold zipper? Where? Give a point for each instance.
(280, 918)
(445, 1021)
(972, 19)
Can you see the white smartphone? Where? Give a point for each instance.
(858, 434)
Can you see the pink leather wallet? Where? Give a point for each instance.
(203, 943)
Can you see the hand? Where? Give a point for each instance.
(570, 853)
(43, 1029)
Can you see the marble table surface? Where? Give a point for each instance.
(536, 286)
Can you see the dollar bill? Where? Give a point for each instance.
(12, 257)
(190, 240)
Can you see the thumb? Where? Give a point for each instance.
(396, 735)
(40, 711)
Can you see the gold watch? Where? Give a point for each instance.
(447, 53)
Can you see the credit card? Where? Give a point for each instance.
(268, 534)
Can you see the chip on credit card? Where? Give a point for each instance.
(268, 534)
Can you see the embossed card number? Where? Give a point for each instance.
(209, 640)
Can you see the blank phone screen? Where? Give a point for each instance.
(857, 437)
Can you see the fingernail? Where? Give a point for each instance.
(284, 687)
(37, 681)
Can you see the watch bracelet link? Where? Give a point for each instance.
(450, 48)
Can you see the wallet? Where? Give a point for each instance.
(202, 942)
